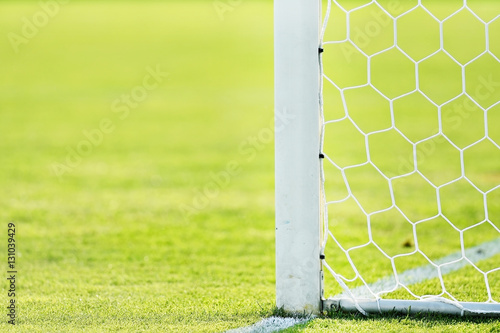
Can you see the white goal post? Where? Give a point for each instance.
(297, 81)
(304, 229)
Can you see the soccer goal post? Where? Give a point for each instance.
(297, 82)
(388, 166)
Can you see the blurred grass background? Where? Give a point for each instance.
(113, 243)
(105, 245)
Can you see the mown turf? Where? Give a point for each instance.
(113, 243)
(166, 224)
(345, 322)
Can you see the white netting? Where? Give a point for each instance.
(411, 140)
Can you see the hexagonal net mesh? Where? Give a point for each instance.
(411, 144)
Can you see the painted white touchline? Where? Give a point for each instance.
(448, 264)
(269, 325)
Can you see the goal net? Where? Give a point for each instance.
(387, 155)
(410, 155)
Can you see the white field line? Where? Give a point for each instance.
(269, 325)
(409, 277)
(448, 264)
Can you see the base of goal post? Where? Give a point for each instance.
(432, 305)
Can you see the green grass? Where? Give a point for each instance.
(114, 243)
(105, 246)
(346, 322)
